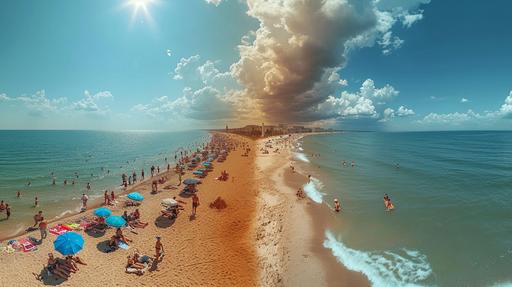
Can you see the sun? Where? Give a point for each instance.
(140, 7)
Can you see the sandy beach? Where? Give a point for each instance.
(265, 236)
(212, 249)
(290, 231)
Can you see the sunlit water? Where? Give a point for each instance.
(452, 225)
(31, 156)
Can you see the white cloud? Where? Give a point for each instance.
(409, 19)
(90, 103)
(368, 90)
(464, 118)
(185, 66)
(464, 100)
(40, 104)
(506, 108)
(401, 112)
(404, 112)
(214, 2)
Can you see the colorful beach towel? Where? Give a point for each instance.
(26, 245)
(73, 226)
(59, 229)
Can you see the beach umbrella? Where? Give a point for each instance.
(169, 202)
(136, 196)
(198, 172)
(102, 212)
(115, 221)
(207, 163)
(191, 181)
(69, 243)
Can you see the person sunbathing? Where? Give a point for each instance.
(135, 220)
(70, 263)
(56, 268)
(118, 237)
(133, 266)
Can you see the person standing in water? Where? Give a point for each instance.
(85, 198)
(337, 205)
(36, 202)
(142, 174)
(7, 211)
(18, 194)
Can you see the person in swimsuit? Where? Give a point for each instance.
(38, 218)
(195, 203)
(2, 206)
(36, 202)
(337, 205)
(159, 248)
(55, 268)
(8, 211)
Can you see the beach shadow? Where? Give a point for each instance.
(96, 233)
(49, 279)
(185, 194)
(192, 217)
(164, 222)
(103, 247)
(154, 264)
(3, 219)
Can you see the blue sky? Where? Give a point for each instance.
(388, 64)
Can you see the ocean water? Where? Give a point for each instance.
(452, 225)
(31, 156)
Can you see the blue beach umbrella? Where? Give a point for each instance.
(115, 221)
(135, 196)
(198, 172)
(103, 212)
(207, 163)
(191, 181)
(69, 243)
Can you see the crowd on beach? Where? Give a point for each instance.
(219, 145)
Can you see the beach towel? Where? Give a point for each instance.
(72, 226)
(26, 245)
(59, 229)
(8, 249)
(123, 245)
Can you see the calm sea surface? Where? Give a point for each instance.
(32, 156)
(452, 225)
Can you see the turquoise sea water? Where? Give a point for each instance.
(33, 155)
(452, 225)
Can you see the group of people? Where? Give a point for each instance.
(63, 267)
(133, 219)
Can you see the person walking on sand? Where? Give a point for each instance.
(43, 228)
(159, 249)
(195, 203)
(112, 196)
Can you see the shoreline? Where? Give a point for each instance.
(213, 248)
(304, 261)
(95, 203)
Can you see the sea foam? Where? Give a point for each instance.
(301, 156)
(313, 189)
(403, 268)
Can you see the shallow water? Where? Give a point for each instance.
(33, 155)
(452, 224)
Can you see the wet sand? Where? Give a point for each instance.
(293, 244)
